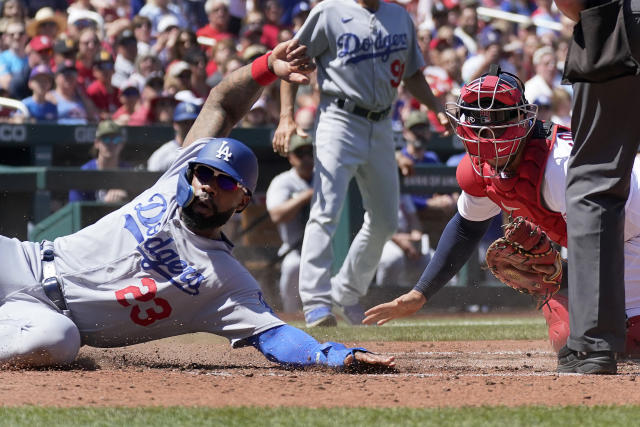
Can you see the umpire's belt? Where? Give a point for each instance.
(352, 107)
(50, 282)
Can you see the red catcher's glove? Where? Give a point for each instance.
(525, 260)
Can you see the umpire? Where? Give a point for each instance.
(602, 64)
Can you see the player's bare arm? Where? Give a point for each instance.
(288, 210)
(232, 98)
(403, 306)
(419, 88)
(287, 125)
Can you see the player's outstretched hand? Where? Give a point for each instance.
(404, 305)
(365, 362)
(289, 61)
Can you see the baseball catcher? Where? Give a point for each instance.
(516, 164)
(160, 265)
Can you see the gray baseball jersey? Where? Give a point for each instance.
(139, 274)
(361, 55)
(282, 188)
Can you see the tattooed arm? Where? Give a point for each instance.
(231, 99)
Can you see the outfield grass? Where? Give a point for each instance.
(179, 416)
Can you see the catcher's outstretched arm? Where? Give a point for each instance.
(459, 240)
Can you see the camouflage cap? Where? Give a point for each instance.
(108, 127)
(297, 141)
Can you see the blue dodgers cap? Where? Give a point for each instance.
(185, 111)
(300, 7)
(490, 36)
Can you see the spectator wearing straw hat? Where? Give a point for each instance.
(47, 22)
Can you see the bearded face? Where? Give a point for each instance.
(203, 215)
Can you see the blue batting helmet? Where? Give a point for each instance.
(227, 155)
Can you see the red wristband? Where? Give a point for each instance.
(260, 71)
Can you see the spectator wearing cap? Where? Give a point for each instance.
(179, 74)
(48, 23)
(288, 202)
(183, 118)
(107, 148)
(126, 53)
(40, 83)
(63, 49)
(299, 15)
(142, 32)
(272, 15)
(129, 98)
(103, 94)
(218, 15)
(521, 7)
(72, 103)
(80, 19)
(490, 51)
(162, 108)
(155, 10)
(168, 30)
(13, 61)
(257, 116)
(39, 51)
(89, 47)
(547, 76)
(221, 52)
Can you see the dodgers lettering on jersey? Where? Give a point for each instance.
(361, 55)
(356, 49)
(157, 253)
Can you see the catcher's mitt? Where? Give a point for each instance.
(525, 260)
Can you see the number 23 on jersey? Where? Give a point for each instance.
(160, 310)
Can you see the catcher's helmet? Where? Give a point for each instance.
(492, 116)
(227, 155)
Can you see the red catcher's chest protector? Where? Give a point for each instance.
(520, 195)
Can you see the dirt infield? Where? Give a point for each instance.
(203, 371)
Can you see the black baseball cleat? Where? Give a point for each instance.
(582, 362)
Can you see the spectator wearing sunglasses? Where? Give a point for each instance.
(89, 47)
(107, 148)
(103, 94)
(13, 61)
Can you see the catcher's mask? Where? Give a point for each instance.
(226, 155)
(492, 117)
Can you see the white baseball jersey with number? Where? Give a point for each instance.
(139, 274)
(553, 195)
(362, 57)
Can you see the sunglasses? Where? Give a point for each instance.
(112, 139)
(303, 151)
(208, 175)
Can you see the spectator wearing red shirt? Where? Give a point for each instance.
(103, 94)
(273, 14)
(218, 14)
(129, 98)
(88, 48)
(151, 90)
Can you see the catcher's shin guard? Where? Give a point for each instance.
(556, 313)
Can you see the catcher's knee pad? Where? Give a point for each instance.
(632, 345)
(556, 313)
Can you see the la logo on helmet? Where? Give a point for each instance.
(223, 152)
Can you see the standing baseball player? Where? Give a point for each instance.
(363, 51)
(160, 266)
(516, 164)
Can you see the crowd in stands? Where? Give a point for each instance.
(83, 61)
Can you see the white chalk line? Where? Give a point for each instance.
(462, 353)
